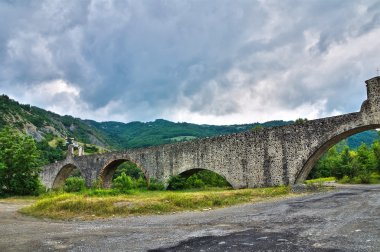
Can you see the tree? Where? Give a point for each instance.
(376, 152)
(130, 169)
(301, 121)
(19, 164)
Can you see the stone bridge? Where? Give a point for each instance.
(266, 157)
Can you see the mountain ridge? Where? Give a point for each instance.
(42, 124)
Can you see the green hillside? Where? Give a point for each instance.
(47, 127)
(42, 124)
(139, 134)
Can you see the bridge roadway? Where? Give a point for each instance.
(267, 157)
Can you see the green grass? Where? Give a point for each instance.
(103, 204)
(373, 179)
(320, 180)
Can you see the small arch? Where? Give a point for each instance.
(107, 172)
(63, 174)
(188, 173)
(313, 159)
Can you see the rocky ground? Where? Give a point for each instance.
(346, 219)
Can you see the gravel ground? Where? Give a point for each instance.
(346, 219)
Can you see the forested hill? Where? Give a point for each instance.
(45, 125)
(139, 134)
(42, 124)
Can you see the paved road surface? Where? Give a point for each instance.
(347, 219)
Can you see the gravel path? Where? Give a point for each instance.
(346, 219)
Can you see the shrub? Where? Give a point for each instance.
(155, 185)
(123, 183)
(97, 184)
(140, 183)
(257, 128)
(130, 169)
(176, 182)
(194, 182)
(365, 177)
(200, 179)
(74, 184)
(345, 180)
(301, 121)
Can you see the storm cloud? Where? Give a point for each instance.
(214, 62)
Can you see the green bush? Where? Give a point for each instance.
(365, 177)
(97, 184)
(155, 185)
(130, 169)
(140, 183)
(176, 183)
(199, 180)
(345, 180)
(123, 183)
(257, 128)
(194, 182)
(74, 184)
(301, 121)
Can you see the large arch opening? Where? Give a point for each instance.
(116, 167)
(333, 144)
(197, 178)
(66, 172)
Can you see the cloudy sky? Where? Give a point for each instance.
(207, 62)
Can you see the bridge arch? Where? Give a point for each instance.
(107, 171)
(323, 148)
(63, 174)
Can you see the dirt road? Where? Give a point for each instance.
(347, 219)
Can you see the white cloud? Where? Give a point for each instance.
(204, 62)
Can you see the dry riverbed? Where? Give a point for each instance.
(346, 219)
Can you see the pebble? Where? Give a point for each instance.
(222, 242)
(262, 238)
(247, 244)
(282, 240)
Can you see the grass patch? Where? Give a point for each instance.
(320, 180)
(19, 199)
(99, 204)
(374, 178)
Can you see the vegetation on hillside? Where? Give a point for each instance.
(43, 125)
(139, 134)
